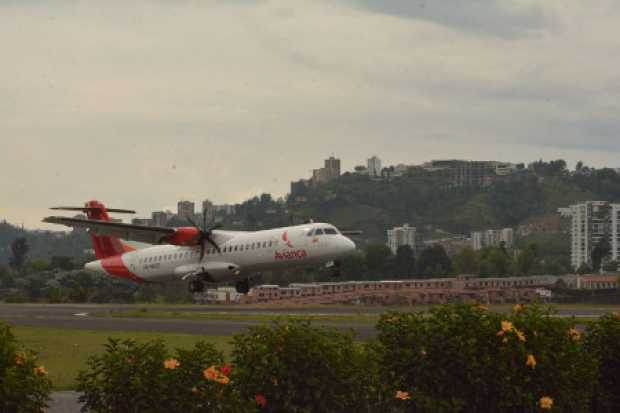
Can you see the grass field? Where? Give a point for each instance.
(364, 315)
(180, 315)
(64, 352)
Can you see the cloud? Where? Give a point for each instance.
(501, 18)
(142, 103)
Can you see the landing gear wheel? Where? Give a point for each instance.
(243, 286)
(335, 269)
(196, 286)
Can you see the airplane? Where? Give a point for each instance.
(203, 256)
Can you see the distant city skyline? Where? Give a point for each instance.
(142, 103)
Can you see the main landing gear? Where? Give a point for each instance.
(243, 286)
(196, 286)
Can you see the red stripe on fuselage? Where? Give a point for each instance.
(116, 267)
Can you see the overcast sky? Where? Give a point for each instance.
(141, 103)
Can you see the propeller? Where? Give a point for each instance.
(204, 235)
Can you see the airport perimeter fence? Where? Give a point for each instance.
(454, 358)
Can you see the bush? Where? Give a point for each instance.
(132, 377)
(603, 342)
(463, 358)
(24, 386)
(295, 367)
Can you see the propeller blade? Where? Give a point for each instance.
(191, 221)
(217, 248)
(202, 250)
(351, 232)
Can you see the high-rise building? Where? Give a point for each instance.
(186, 209)
(492, 238)
(142, 221)
(399, 236)
(159, 218)
(210, 210)
(462, 173)
(593, 221)
(374, 166)
(332, 166)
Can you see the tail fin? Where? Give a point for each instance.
(104, 246)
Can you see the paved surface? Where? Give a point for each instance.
(78, 317)
(64, 402)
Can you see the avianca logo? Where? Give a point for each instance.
(286, 240)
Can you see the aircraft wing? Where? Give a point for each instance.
(129, 232)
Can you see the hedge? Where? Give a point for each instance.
(24, 385)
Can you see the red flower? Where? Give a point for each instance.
(261, 400)
(226, 370)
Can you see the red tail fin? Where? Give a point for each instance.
(104, 246)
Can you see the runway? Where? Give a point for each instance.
(79, 317)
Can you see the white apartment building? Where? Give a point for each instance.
(591, 221)
(492, 238)
(374, 166)
(399, 236)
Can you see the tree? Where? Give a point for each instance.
(527, 260)
(600, 252)
(377, 258)
(353, 267)
(499, 262)
(584, 268)
(62, 262)
(434, 261)
(19, 250)
(466, 261)
(579, 166)
(405, 261)
(611, 266)
(6, 280)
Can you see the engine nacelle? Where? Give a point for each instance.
(218, 271)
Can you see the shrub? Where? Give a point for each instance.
(296, 367)
(132, 377)
(24, 386)
(463, 358)
(603, 342)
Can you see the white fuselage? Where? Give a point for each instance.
(242, 254)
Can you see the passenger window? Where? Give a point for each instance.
(265, 244)
(236, 247)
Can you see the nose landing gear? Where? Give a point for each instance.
(334, 268)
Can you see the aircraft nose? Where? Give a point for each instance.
(348, 245)
(94, 267)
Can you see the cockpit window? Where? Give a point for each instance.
(330, 231)
(318, 231)
(310, 232)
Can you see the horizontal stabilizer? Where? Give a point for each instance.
(88, 209)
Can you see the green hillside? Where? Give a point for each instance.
(425, 200)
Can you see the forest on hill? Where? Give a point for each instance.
(423, 199)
